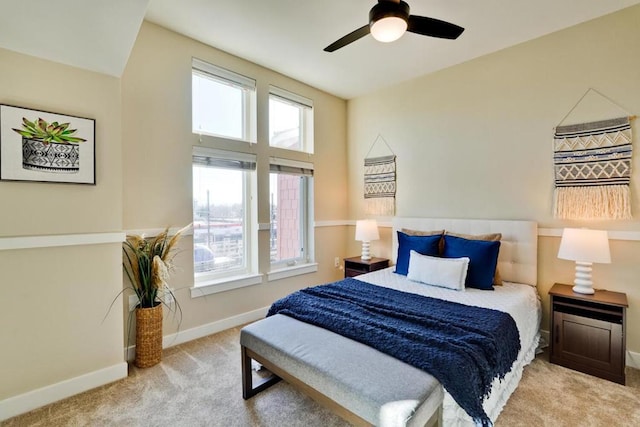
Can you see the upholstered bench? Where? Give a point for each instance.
(361, 384)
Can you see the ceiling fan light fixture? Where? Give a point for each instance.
(388, 20)
(388, 29)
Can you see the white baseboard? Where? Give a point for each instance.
(204, 330)
(26, 402)
(545, 339)
(31, 400)
(632, 359)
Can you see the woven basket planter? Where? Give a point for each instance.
(148, 336)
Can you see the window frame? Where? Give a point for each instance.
(306, 117)
(233, 79)
(250, 229)
(306, 231)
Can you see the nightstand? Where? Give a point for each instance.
(588, 331)
(355, 266)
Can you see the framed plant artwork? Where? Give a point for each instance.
(46, 147)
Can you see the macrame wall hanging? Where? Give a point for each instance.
(592, 167)
(380, 182)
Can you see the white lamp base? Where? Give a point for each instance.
(582, 282)
(366, 255)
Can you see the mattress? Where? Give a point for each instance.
(520, 301)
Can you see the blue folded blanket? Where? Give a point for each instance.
(464, 347)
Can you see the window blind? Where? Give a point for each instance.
(223, 159)
(290, 97)
(208, 70)
(293, 167)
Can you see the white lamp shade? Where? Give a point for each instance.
(388, 29)
(367, 230)
(584, 245)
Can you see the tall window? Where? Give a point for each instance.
(223, 102)
(223, 183)
(290, 120)
(291, 209)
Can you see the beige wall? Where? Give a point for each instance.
(54, 299)
(474, 140)
(157, 144)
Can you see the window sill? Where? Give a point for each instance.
(213, 286)
(296, 270)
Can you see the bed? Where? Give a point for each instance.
(369, 387)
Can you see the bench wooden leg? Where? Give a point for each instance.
(248, 389)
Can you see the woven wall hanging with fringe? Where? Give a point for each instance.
(380, 185)
(592, 168)
(380, 180)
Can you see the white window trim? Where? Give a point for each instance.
(214, 286)
(309, 254)
(249, 118)
(306, 108)
(204, 280)
(296, 270)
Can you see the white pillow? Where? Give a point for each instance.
(444, 272)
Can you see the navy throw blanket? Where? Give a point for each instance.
(463, 347)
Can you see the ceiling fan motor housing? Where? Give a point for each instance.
(386, 9)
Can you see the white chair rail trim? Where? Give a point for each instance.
(30, 242)
(544, 232)
(47, 241)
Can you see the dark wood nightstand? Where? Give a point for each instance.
(355, 266)
(588, 331)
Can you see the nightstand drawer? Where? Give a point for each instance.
(356, 266)
(356, 269)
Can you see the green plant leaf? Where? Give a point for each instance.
(42, 126)
(55, 131)
(23, 133)
(28, 124)
(73, 139)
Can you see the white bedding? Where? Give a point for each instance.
(520, 301)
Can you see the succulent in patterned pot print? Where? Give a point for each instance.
(49, 147)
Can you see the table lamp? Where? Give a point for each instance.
(585, 247)
(366, 231)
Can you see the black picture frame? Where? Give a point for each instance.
(43, 146)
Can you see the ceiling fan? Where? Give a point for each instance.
(389, 19)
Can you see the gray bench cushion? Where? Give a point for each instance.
(380, 389)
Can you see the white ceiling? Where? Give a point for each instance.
(287, 35)
(97, 35)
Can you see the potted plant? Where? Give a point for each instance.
(49, 147)
(147, 263)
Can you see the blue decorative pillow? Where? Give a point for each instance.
(425, 245)
(483, 257)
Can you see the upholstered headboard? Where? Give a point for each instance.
(518, 257)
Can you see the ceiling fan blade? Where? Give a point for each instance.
(433, 27)
(349, 38)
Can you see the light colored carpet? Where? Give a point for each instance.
(198, 384)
